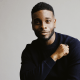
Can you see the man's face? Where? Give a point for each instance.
(43, 24)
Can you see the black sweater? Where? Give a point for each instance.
(38, 65)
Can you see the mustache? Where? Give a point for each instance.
(44, 31)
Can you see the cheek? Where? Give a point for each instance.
(51, 27)
(35, 27)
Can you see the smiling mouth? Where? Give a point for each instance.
(43, 33)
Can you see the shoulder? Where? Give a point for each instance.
(28, 48)
(66, 39)
(32, 44)
(74, 46)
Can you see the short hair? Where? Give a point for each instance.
(42, 6)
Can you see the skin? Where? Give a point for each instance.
(43, 24)
(61, 51)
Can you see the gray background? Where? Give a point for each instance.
(16, 30)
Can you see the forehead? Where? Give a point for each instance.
(41, 14)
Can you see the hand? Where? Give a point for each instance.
(61, 51)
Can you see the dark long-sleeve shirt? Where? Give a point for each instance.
(38, 65)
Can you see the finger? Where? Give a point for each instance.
(67, 45)
(61, 45)
(65, 54)
(67, 51)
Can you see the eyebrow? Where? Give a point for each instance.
(39, 19)
(36, 19)
(48, 18)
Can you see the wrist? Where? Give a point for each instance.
(54, 56)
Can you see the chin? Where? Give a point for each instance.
(44, 38)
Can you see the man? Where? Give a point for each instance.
(53, 56)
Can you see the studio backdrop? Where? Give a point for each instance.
(16, 29)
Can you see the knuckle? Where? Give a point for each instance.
(60, 44)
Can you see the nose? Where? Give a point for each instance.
(43, 26)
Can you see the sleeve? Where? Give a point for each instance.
(73, 71)
(31, 72)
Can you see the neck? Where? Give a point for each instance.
(50, 41)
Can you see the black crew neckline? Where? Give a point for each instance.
(49, 46)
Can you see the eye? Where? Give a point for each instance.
(37, 22)
(48, 21)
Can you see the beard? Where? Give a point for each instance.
(43, 37)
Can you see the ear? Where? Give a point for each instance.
(54, 23)
(32, 25)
